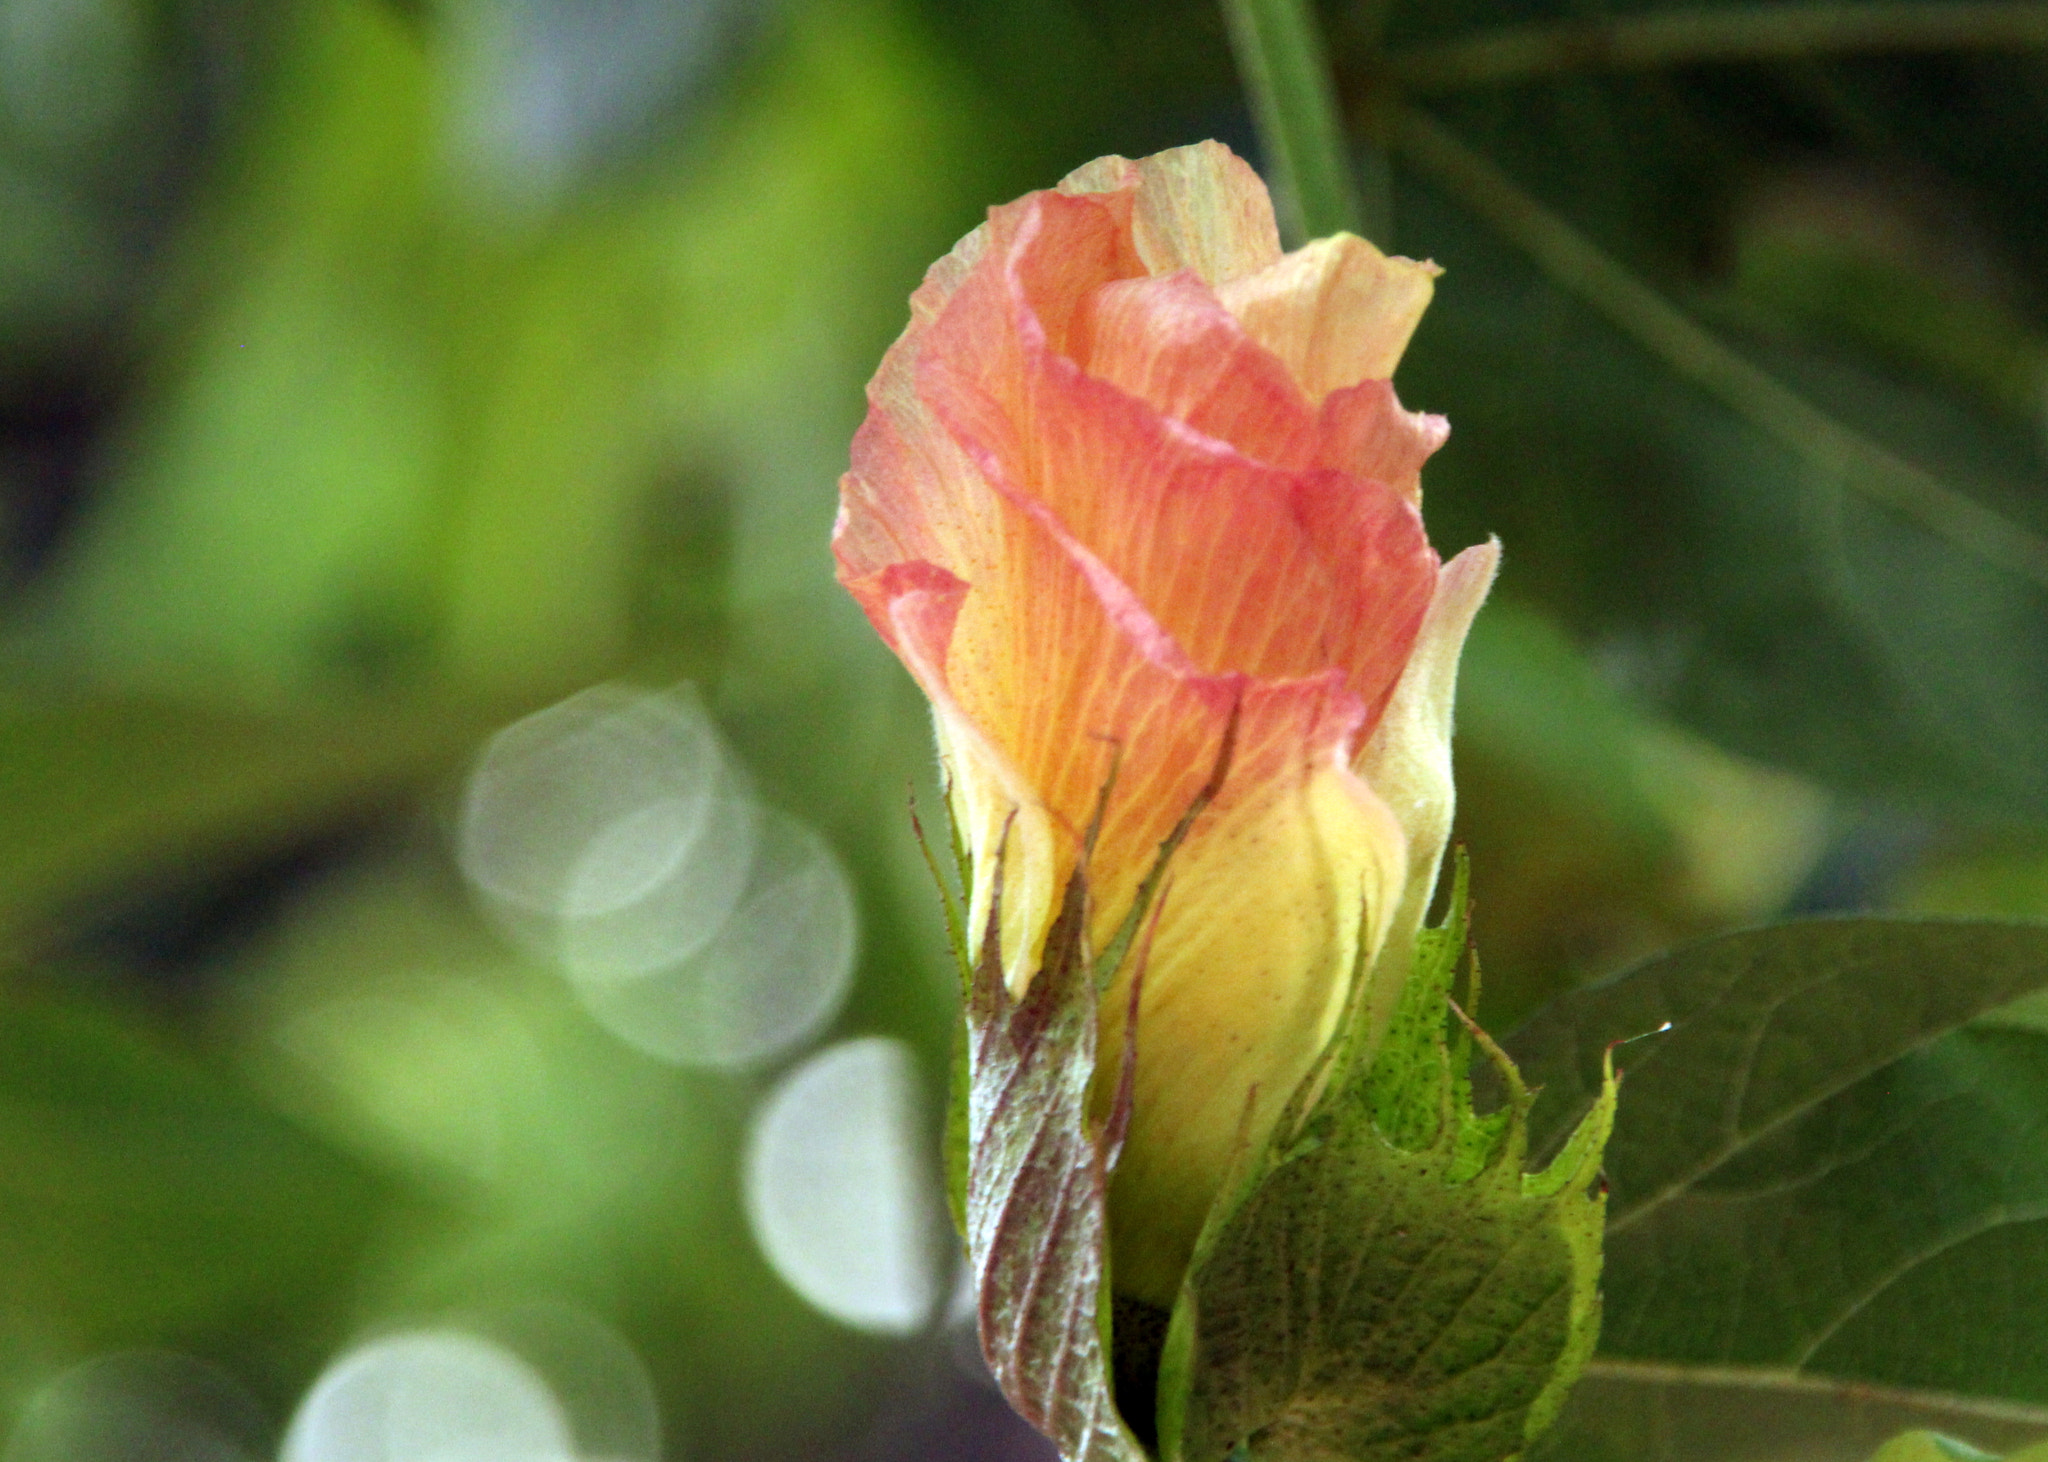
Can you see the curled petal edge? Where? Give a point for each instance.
(1407, 760)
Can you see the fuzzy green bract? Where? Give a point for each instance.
(1386, 1280)
(1381, 1279)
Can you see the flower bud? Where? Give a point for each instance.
(1133, 482)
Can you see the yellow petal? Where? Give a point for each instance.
(1337, 311)
(1248, 974)
(1199, 207)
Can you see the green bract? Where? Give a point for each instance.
(1381, 1278)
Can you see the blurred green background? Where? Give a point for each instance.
(376, 374)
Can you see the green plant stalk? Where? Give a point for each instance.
(1286, 73)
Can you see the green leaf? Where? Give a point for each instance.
(1387, 1281)
(101, 789)
(1929, 1447)
(1820, 1166)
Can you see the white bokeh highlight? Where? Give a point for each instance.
(613, 835)
(771, 977)
(594, 1373)
(839, 1191)
(616, 810)
(429, 1396)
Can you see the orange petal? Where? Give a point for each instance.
(1171, 342)
(1294, 867)
(1168, 341)
(1365, 430)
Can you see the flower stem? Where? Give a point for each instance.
(1737, 33)
(1286, 73)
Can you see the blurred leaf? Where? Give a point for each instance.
(393, 433)
(1528, 697)
(1967, 644)
(1597, 832)
(269, 510)
(1829, 448)
(1816, 1168)
(143, 1198)
(711, 312)
(1748, 835)
(98, 790)
(2007, 878)
(1737, 590)
(1833, 280)
(1830, 563)
(1925, 1446)
(55, 266)
(1692, 34)
(1569, 851)
(1631, 1412)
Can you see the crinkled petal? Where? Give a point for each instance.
(1170, 342)
(1367, 431)
(1248, 567)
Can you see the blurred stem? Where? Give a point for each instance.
(1740, 33)
(1286, 74)
(1769, 1379)
(1833, 450)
